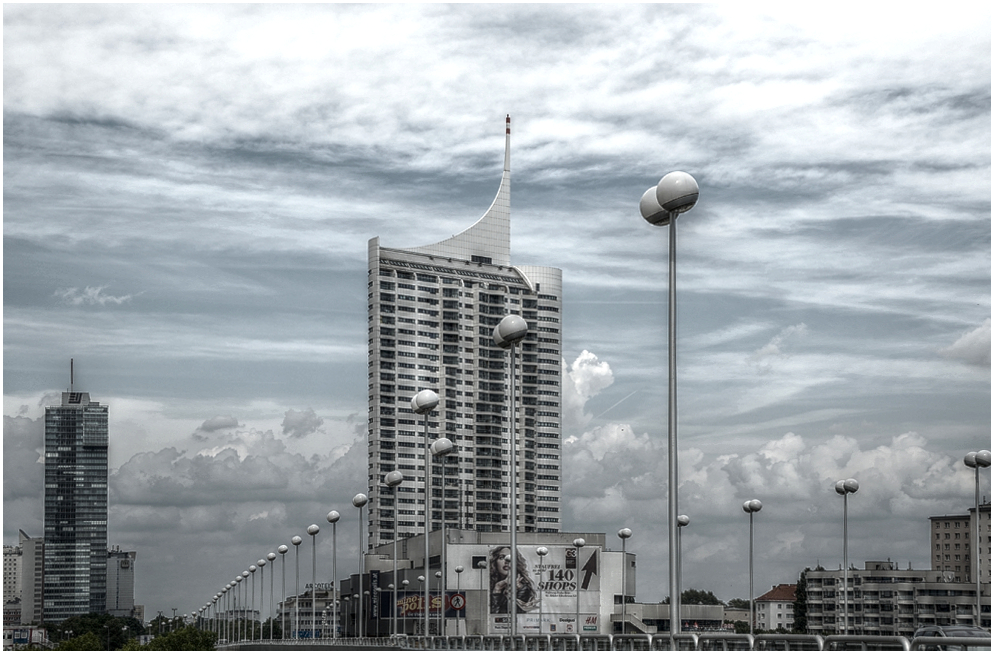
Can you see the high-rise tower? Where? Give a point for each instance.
(75, 570)
(432, 310)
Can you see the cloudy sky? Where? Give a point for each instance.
(188, 193)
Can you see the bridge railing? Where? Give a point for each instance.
(866, 643)
(951, 642)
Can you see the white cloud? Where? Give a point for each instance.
(219, 422)
(297, 424)
(91, 295)
(973, 347)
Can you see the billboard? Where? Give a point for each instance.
(549, 592)
(410, 604)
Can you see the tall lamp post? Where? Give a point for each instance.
(358, 502)
(624, 535)
(459, 570)
(252, 569)
(272, 605)
(675, 193)
(681, 521)
(422, 404)
(333, 518)
(482, 565)
(845, 487)
(239, 603)
(977, 460)
(313, 531)
(441, 613)
(578, 543)
(751, 507)
(405, 584)
(246, 615)
(261, 564)
(440, 450)
(296, 541)
(541, 551)
(393, 479)
(283, 549)
(510, 331)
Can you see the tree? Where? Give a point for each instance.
(738, 604)
(692, 596)
(185, 639)
(88, 642)
(801, 603)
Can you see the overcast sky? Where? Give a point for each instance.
(188, 193)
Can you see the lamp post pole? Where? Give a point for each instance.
(393, 479)
(541, 551)
(405, 583)
(358, 502)
(296, 541)
(977, 460)
(333, 518)
(261, 564)
(751, 507)
(459, 570)
(422, 404)
(510, 331)
(252, 569)
(440, 449)
(283, 549)
(313, 531)
(482, 565)
(681, 521)
(578, 543)
(845, 488)
(272, 605)
(624, 535)
(441, 613)
(675, 193)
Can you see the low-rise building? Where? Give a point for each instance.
(886, 601)
(775, 609)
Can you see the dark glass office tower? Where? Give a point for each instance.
(75, 508)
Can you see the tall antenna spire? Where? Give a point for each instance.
(507, 145)
(70, 375)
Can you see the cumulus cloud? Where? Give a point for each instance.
(583, 380)
(776, 348)
(297, 424)
(218, 422)
(973, 347)
(91, 295)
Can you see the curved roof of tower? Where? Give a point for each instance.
(488, 237)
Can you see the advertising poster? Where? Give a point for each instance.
(547, 589)
(410, 604)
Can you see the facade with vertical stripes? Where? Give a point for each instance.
(431, 312)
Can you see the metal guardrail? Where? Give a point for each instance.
(951, 643)
(626, 643)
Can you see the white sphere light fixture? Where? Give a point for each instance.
(312, 530)
(334, 516)
(676, 193)
(682, 520)
(424, 402)
(441, 446)
(359, 501)
(393, 478)
(510, 331)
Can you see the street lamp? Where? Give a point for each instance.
(482, 565)
(422, 404)
(541, 551)
(296, 541)
(313, 531)
(405, 583)
(624, 534)
(441, 613)
(675, 193)
(283, 549)
(261, 564)
(681, 521)
(393, 479)
(333, 517)
(459, 570)
(977, 460)
(271, 557)
(441, 449)
(845, 487)
(252, 569)
(578, 543)
(510, 331)
(245, 577)
(358, 502)
(751, 507)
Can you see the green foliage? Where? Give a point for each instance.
(88, 642)
(185, 639)
(741, 627)
(692, 596)
(101, 625)
(801, 603)
(738, 603)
